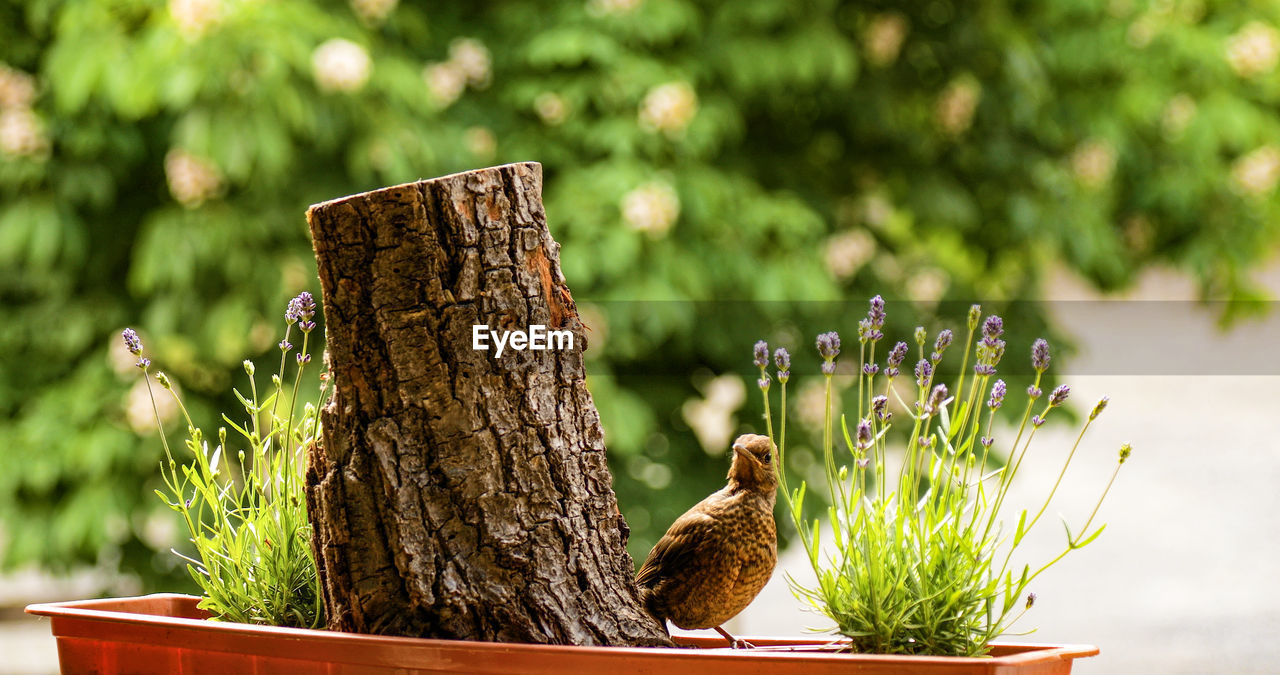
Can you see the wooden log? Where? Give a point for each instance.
(458, 493)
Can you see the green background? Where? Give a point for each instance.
(717, 172)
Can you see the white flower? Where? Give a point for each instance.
(1093, 162)
(480, 142)
(194, 17)
(192, 180)
(374, 11)
(928, 285)
(445, 82)
(652, 208)
(471, 57)
(1178, 113)
(17, 89)
(602, 7)
(668, 108)
(22, 133)
(883, 38)
(876, 210)
(138, 412)
(1256, 173)
(811, 399)
(340, 65)
(711, 418)
(956, 105)
(1253, 50)
(1142, 31)
(159, 529)
(847, 252)
(551, 108)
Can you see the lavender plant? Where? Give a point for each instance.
(923, 562)
(246, 515)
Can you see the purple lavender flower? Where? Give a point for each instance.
(828, 367)
(1036, 421)
(1034, 392)
(998, 391)
(1099, 407)
(924, 372)
(864, 331)
(761, 354)
(134, 344)
(1031, 600)
(1040, 355)
(990, 347)
(131, 341)
(926, 442)
(870, 369)
(879, 405)
(996, 351)
(862, 463)
(783, 359)
(986, 441)
(864, 434)
(304, 359)
(943, 341)
(828, 345)
(993, 328)
(764, 381)
(975, 315)
(897, 354)
(285, 345)
(936, 397)
(876, 314)
(1059, 395)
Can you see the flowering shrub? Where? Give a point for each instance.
(246, 516)
(760, 150)
(923, 564)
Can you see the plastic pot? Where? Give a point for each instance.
(166, 633)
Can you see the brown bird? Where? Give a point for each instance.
(713, 560)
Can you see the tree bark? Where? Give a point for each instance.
(459, 494)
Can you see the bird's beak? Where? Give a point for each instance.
(742, 450)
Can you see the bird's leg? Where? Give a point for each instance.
(734, 642)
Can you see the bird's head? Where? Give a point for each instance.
(753, 458)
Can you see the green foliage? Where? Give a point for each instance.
(156, 159)
(245, 509)
(922, 563)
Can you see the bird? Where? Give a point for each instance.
(715, 559)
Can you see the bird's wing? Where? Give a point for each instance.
(677, 548)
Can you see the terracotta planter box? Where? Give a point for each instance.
(167, 634)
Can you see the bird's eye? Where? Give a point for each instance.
(768, 457)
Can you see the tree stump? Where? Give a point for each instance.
(457, 493)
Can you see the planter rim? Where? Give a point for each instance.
(158, 611)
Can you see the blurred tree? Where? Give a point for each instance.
(709, 167)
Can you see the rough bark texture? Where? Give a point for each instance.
(458, 494)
